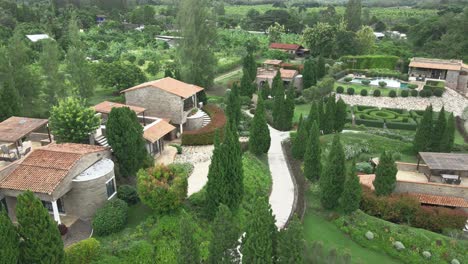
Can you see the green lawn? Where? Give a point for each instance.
(104, 94)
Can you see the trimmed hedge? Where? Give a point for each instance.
(364, 92)
(110, 218)
(371, 61)
(414, 93)
(339, 89)
(392, 93)
(404, 93)
(205, 135)
(369, 123)
(350, 91)
(376, 93)
(394, 118)
(84, 251)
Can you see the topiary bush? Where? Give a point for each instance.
(84, 251)
(376, 93)
(392, 93)
(128, 194)
(163, 188)
(348, 79)
(364, 92)
(366, 82)
(382, 84)
(438, 92)
(414, 93)
(404, 93)
(339, 89)
(350, 91)
(412, 86)
(110, 218)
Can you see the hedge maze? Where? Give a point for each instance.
(392, 118)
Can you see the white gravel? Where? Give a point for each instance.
(200, 157)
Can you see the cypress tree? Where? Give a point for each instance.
(249, 65)
(189, 252)
(278, 107)
(385, 175)
(298, 147)
(40, 237)
(223, 246)
(265, 91)
(291, 243)
(423, 133)
(352, 191)
(340, 115)
(216, 185)
(329, 122)
(9, 244)
(288, 111)
(258, 244)
(277, 87)
(438, 131)
(448, 138)
(332, 180)
(259, 141)
(353, 15)
(247, 87)
(309, 73)
(321, 70)
(312, 156)
(233, 106)
(321, 114)
(313, 116)
(233, 170)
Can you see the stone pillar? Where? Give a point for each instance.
(56, 212)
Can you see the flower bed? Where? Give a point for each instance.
(205, 135)
(393, 118)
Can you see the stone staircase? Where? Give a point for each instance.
(206, 119)
(101, 141)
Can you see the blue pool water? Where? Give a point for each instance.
(391, 83)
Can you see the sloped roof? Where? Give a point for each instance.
(273, 62)
(157, 130)
(445, 161)
(15, 128)
(454, 65)
(44, 169)
(440, 200)
(287, 74)
(106, 106)
(37, 37)
(170, 85)
(285, 46)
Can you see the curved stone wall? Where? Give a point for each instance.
(195, 121)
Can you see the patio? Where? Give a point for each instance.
(448, 168)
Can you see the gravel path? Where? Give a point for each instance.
(452, 101)
(200, 157)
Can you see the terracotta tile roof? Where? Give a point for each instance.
(106, 106)
(288, 74)
(367, 180)
(270, 74)
(285, 46)
(44, 168)
(273, 62)
(157, 130)
(454, 65)
(441, 200)
(169, 85)
(15, 128)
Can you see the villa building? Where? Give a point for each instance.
(270, 69)
(453, 72)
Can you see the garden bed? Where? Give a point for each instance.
(392, 118)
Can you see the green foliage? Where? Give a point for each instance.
(205, 135)
(9, 245)
(423, 134)
(233, 105)
(329, 119)
(377, 93)
(320, 39)
(125, 136)
(363, 92)
(339, 89)
(259, 140)
(189, 251)
(364, 167)
(265, 91)
(128, 193)
(385, 175)
(80, 73)
(332, 180)
(392, 93)
(312, 156)
(178, 148)
(321, 68)
(249, 66)
(316, 253)
(162, 188)
(247, 87)
(446, 144)
(139, 251)
(225, 229)
(258, 244)
(350, 91)
(309, 75)
(84, 251)
(110, 218)
(353, 15)
(118, 75)
(153, 68)
(298, 148)
(291, 244)
(351, 197)
(277, 85)
(72, 121)
(404, 93)
(370, 61)
(40, 238)
(53, 85)
(438, 132)
(340, 115)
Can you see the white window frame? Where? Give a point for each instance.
(115, 188)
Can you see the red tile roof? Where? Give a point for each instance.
(287, 74)
(441, 200)
(15, 128)
(170, 85)
(157, 130)
(284, 46)
(106, 106)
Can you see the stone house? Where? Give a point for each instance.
(165, 98)
(292, 49)
(72, 180)
(269, 71)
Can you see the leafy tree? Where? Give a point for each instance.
(223, 246)
(346, 43)
(277, 85)
(291, 243)
(189, 251)
(72, 121)
(340, 115)
(309, 74)
(330, 115)
(424, 131)
(118, 75)
(233, 105)
(153, 68)
(446, 143)
(353, 15)
(275, 31)
(40, 238)
(53, 79)
(81, 76)
(298, 148)
(9, 245)
(125, 136)
(385, 175)
(352, 192)
(249, 65)
(320, 39)
(198, 32)
(258, 244)
(438, 131)
(365, 40)
(325, 86)
(259, 141)
(312, 155)
(332, 180)
(380, 26)
(168, 73)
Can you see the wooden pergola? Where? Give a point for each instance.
(453, 162)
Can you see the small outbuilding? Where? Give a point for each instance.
(450, 167)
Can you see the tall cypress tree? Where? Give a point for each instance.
(329, 122)
(423, 134)
(216, 185)
(234, 172)
(321, 114)
(352, 193)
(313, 116)
(291, 243)
(287, 112)
(353, 15)
(223, 246)
(385, 175)
(189, 251)
(298, 147)
(332, 180)
(259, 141)
(448, 138)
(233, 105)
(265, 91)
(312, 155)
(249, 65)
(54, 80)
(40, 238)
(258, 244)
(278, 107)
(340, 115)
(9, 244)
(277, 87)
(438, 131)
(321, 70)
(247, 87)
(309, 73)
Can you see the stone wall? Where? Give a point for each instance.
(431, 188)
(158, 103)
(463, 84)
(194, 122)
(451, 81)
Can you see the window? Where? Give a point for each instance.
(110, 187)
(50, 208)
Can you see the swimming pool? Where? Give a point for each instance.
(391, 83)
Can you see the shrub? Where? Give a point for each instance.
(382, 84)
(404, 93)
(364, 92)
(438, 92)
(128, 194)
(350, 91)
(392, 93)
(111, 218)
(412, 86)
(436, 218)
(139, 251)
(205, 135)
(364, 167)
(339, 89)
(428, 93)
(348, 79)
(414, 93)
(84, 251)
(162, 188)
(178, 147)
(300, 100)
(365, 82)
(376, 93)
(141, 62)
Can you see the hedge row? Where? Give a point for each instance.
(372, 73)
(393, 118)
(371, 61)
(205, 135)
(369, 123)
